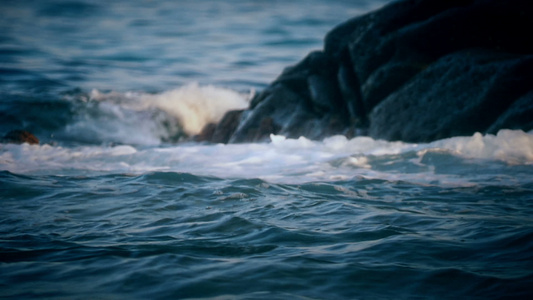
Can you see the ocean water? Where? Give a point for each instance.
(111, 205)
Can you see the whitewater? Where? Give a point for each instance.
(282, 160)
(119, 202)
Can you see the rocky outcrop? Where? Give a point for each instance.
(221, 132)
(20, 137)
(474, 88)
(415, 70)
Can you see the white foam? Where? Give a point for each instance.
(149, 119)
(109, 122)
(282, 160)
(196, 106)
(511, 146)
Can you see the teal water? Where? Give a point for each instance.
(423, 222)
(110, 207)
(165, 235)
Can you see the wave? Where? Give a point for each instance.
(148, 119)
(457, 160)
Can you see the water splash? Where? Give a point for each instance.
(149, 119)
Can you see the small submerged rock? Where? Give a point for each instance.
(20, 137)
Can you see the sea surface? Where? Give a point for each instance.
(114, 205)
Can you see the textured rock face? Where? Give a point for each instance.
(474, 88)
(415, 70)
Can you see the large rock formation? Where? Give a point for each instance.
(415, 70)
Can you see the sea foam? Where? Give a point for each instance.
(149, 119)
(281, 160)
(196, 106)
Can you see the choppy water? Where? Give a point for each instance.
(109, 207)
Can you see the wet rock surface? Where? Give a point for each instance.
(415, 70)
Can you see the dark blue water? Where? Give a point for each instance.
(109, 207)
(176, 235)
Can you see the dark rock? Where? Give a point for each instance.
(221, 132)
(351, 95)
(227, 126)
(314, 79)
(408, 36)
(279, 106)
(474, 88)
(415, 70)
(206, 134)
(20, 137)
(518, 116)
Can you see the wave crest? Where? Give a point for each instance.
(149, 119)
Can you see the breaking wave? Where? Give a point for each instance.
(148, 119)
